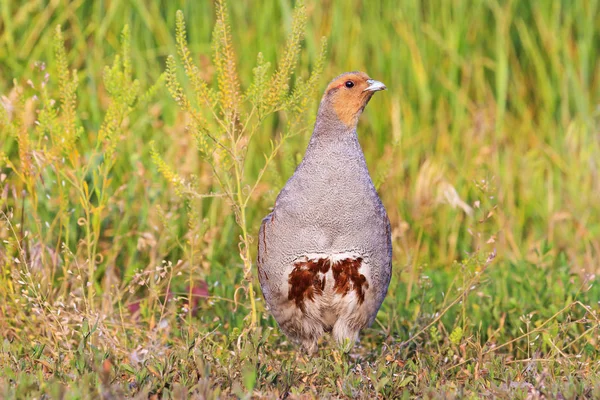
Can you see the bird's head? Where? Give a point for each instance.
(348, 95)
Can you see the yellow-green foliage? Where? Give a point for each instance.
(52, 167)
(123, 91)
(68, 81)
(224, 121)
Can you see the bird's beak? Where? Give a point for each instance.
(374, 86)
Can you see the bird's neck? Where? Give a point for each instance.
(331, 134)
(334, 155)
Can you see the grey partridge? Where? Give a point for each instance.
(325, 251)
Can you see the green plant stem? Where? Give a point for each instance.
(241, 210)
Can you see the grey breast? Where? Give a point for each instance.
(330, 205)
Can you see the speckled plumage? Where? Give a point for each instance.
(324, 252)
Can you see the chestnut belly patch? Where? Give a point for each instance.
(308, 279)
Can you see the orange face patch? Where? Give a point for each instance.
(349, 101)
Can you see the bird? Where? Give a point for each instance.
(325, 252)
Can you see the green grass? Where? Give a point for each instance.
(486, 143)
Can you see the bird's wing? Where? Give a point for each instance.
(262, 245)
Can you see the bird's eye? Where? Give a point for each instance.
(349, 84)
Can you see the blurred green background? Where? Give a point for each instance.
(506, 91)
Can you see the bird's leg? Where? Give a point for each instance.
(310, 346)
(345, 336)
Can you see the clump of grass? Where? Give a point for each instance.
(223, 122)
(54, 221)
